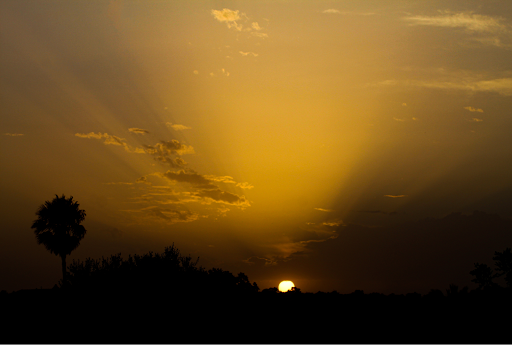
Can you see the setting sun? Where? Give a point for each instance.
(285, 286)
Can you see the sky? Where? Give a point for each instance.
(341, 145)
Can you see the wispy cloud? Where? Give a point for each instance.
(501, 86)
(325, 210)
(245, 185)
(217, 195)
(395, 196)
(332, 10)
(467, 20)
(110, 140)
(165, 215)
(476, 120)
(248, 53)
(177, 127)
(14, 134)
(138, 131)
(472, 109)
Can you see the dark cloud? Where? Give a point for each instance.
(224, 197)
(138, 131)
(190, 177)
(168, 215)
(169, 152)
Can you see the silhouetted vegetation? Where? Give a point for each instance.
(58, 227)
(484, 275)
(168, 272)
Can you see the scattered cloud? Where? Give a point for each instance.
(472, 109)
(217, 195)
(14, 134)
(325, 210)
(138, 131)
(245, 185)
(331, 10)
(229, 17)
(177, 127)
(190, 177)
(169, 151)
(248, 53)
(256, 26)
(224, 179)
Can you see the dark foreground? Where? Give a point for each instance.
(262, 316)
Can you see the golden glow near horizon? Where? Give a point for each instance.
(251, 133)
(285, 286)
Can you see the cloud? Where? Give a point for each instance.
(248, 53)
(167, 215)
(224, 179)
(325, 210)
(395, 196)
(109, 140)
(177, 127)
(476, 120)
(195, 72)
(245, 185)
(331, 10)
(138, 131)
(190, 177)
(502, 86)
(226, 15)
(256, 26)
(335, 11)
(166, 152)
(228, 180)
(467, 20)
(471, 109)
(259, 34)
(13, 134)
(220, 196)
(397, 119)
(229, 17)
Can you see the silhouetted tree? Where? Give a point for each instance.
(58, 227)
(483, 275)
(503, 262)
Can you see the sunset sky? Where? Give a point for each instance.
(322, 142)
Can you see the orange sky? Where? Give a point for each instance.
(267, 137)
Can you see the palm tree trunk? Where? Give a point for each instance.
(63, 257)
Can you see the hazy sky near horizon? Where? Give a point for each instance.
(256, 134)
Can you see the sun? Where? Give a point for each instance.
(285, 286)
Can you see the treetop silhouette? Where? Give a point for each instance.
(58, 227)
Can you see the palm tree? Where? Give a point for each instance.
(58, 227)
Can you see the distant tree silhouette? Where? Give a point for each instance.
(503, 262)
(58, 227)
(484, 274)
(160, 274)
